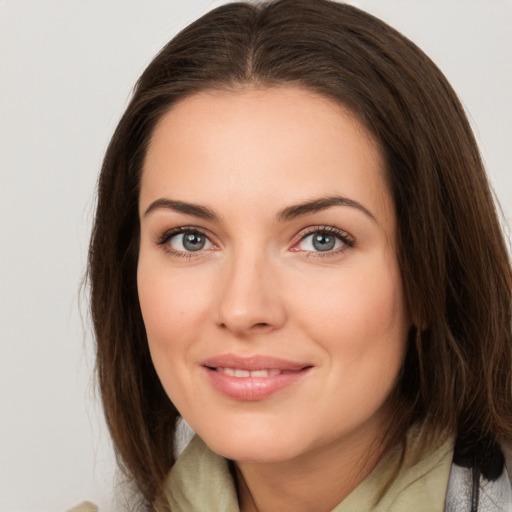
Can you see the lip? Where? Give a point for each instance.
(253, 388)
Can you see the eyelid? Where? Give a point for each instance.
(345, 237)
(163, 239)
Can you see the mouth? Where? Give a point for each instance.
(253, 378)
(237, 372)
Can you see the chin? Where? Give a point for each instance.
(256, 448)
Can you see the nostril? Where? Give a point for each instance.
(254, 327)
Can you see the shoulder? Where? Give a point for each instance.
(491, 495)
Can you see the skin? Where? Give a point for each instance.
(260, 287)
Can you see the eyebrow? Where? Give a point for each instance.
(316, 205)
(288, 213)
(179, 206)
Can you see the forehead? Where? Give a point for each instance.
(225, 146)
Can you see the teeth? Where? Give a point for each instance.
(259, 373)
(235, 372)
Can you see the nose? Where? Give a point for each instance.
(249, 301)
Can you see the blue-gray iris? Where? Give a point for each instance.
(323, 242)
(193, 241)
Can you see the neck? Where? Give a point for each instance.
(313, 482)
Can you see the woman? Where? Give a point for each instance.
(296, 249)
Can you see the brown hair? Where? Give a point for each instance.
(455, 269)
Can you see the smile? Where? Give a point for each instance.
(236, 372)
(253, 378)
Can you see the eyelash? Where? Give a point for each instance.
(347, 240)
(169, 234)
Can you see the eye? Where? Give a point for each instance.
(324, 240)
(186, 241)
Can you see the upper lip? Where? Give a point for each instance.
(252, 363)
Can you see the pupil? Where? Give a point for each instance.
(193, 241)
(323, 242)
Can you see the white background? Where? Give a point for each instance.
(66, 71)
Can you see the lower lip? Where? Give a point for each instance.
(253, 388)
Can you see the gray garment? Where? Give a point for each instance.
(494, 496)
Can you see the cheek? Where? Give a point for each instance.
(174, 312)
(173, 308)
(360, 313)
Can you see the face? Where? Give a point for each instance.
(267, 275)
